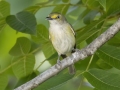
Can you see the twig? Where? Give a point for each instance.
(75, 57)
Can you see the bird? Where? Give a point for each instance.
(62, 36)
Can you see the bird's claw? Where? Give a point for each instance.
(58, 65)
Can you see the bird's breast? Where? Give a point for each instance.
(62, 38)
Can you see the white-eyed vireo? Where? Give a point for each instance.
(62, 37)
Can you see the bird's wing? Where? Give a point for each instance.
(72, 29)
(74, 35)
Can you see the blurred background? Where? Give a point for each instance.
(8, 37)
(89, 19)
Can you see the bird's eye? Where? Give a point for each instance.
(58, 16)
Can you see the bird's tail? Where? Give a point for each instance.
(71, 68)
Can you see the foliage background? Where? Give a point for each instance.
(25, 49)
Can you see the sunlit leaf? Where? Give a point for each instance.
(2, 24)
(48, 49)
(3, 80)
(65, 1)
(103, 80)
(22, 47)
(4, 9)
(54, 56)
(23, 65)
(102, 3)
(56, 1)
(33, 9)
(88, 31)
(43, 1)
(43, 39)
(42, 34)
(92, 4)
(61, 9)
(110, 54)
(23, 22)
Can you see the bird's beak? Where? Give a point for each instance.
(48, 18)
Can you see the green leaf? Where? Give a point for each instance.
(22, 47)
(103, 80)
(42, 34)
(95, 89)
(113, 7)
(43, 1)
(102, 64)
(54, 56)
(88, 31)
(48, 49)
(65, 1)
(25, 79)
(58, 79)
(33, 9)
(61, 9)
(110, 54)
(4, 9)
(102, 3)
(23, 22)
(2, 24)
(43, 39)
(4, 81)
(117, 36)
(83, 64)
(115, 40)
(92, 4)
(23, 65)
(90, 16)
(78, 23)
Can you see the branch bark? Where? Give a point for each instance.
(75, 57)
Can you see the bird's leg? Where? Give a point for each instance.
(58, 60)
(77, 49)
(58, 65)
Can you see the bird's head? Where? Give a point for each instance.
(56, 18)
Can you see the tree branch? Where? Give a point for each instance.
(75, 57)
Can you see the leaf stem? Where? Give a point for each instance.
(34, 51)
(18, 61)
(81, 82)
(40, 64)
(89, 63)
(58, 5)
(10, 66)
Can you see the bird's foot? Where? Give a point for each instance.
(58, 65)
(77, 49)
